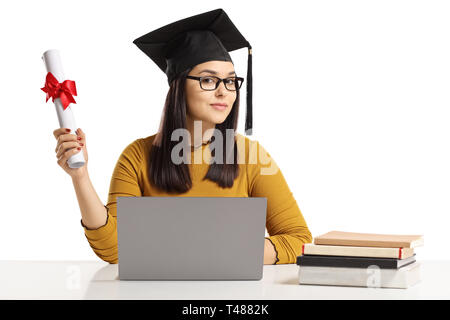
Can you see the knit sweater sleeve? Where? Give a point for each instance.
(124, 183)
(285, 223)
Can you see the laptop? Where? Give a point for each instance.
(191, 238)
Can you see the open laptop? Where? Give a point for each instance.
(191, 238)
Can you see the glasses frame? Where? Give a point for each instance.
(217, 83)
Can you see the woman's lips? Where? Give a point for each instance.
(219, 106)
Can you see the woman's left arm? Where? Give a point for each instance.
(285, 223)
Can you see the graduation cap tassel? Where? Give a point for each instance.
(249, 115)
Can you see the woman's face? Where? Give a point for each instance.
(199, 101)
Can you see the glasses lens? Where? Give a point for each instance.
(233, 83)
(208, 83)
(230, 83)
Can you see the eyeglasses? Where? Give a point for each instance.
(211, 83)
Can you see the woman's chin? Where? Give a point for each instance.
(219, 121)
(216, 119)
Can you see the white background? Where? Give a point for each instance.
(351, 99)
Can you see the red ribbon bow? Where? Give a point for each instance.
(64, 90)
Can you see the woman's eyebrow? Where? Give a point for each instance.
(214, 72)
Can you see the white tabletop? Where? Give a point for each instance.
(99, 280)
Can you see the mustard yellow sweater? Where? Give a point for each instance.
(259, 176)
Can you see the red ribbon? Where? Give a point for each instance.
(64, 90)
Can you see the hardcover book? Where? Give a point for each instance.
(341, 238)
(353, 262)
(350, 251)
(361, 277)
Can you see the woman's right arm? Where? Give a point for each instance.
(99, 225)
(93, 213)
(100, 221)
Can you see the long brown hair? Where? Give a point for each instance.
(175, 178)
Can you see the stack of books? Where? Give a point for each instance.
(360, 259)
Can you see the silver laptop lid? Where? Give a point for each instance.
(191, 238)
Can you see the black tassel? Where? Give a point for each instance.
(249, 115)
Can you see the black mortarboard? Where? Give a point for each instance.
(194, 40)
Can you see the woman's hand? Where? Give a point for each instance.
(270, 255)
(67, 145)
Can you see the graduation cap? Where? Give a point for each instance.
(194, 40)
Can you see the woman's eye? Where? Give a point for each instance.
(207, 80)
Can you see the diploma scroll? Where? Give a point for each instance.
(66, 118)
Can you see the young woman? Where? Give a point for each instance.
(203, 100)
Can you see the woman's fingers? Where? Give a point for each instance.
(67, 143)
(81, 135)
(66, 155)
(60, 131)
(64, 138)
(65, 146)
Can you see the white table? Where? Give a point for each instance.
(99, 280)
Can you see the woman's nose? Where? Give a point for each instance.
(221, 88)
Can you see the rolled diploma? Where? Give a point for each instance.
(66, 119)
